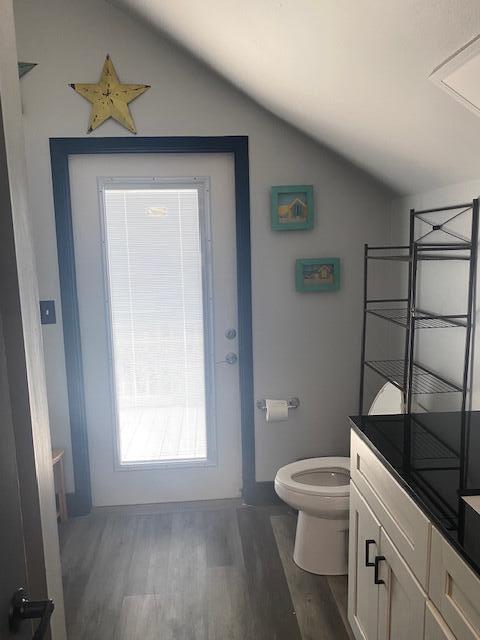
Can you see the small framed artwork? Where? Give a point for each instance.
(292, 207)
(317, 274)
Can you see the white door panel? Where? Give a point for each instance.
(454, 589)
(435, 626)
(401, 599)
(364, 544)
(112, 484)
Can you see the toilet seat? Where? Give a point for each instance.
(285, 476)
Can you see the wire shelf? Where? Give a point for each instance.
(424, 251)
(421, 257)
(423, 381)
(396, 258)
(423, 319)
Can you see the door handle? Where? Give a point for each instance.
(367, 548)
(376, 562)
(231, 358)
(22, 608)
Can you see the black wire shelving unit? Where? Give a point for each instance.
(408, 375)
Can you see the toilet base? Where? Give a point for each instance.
(321, 545)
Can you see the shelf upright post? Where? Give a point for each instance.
(411, 331)
(364, 330)
(464, 461)
(472, 274)
(407, 372)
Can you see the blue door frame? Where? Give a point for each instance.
(60, 149)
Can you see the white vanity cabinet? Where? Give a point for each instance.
(406, 525)
(405, 581)
(385, 602)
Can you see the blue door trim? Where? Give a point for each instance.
(60, 150)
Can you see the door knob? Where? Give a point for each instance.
(231, 358)
(22, 608)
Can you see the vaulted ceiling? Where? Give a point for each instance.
(353, 74)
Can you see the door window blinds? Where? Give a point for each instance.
(154, 281)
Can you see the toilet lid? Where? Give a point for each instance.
(286, 476)
(389, 400)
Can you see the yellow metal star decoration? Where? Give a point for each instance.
(110, 98)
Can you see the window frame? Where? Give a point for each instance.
(202, 185)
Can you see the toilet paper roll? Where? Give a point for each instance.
(277, 410)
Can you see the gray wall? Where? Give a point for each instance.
(442, 289)
(305, 344)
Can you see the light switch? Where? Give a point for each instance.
(47, 312)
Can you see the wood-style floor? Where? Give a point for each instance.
(197, 571)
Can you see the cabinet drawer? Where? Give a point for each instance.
(404, 522)
(454, 589)
(435, 627)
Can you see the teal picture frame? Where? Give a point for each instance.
(317, 274)
(292, 207)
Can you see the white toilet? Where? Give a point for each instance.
(319, 489)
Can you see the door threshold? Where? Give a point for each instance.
(168, 507)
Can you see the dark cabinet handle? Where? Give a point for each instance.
(367, 548)
(376, 562)
(22, 608)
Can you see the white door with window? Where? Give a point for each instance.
(156, 276)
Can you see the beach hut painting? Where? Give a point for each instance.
(317, 274)
(292, 208)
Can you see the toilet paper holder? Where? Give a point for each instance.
(293, 403)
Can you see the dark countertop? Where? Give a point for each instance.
(436, 458)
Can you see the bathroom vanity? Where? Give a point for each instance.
(414, 539)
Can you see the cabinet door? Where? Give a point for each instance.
(454, 589)
(362, 592)
(435, 627)
(401, 602)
